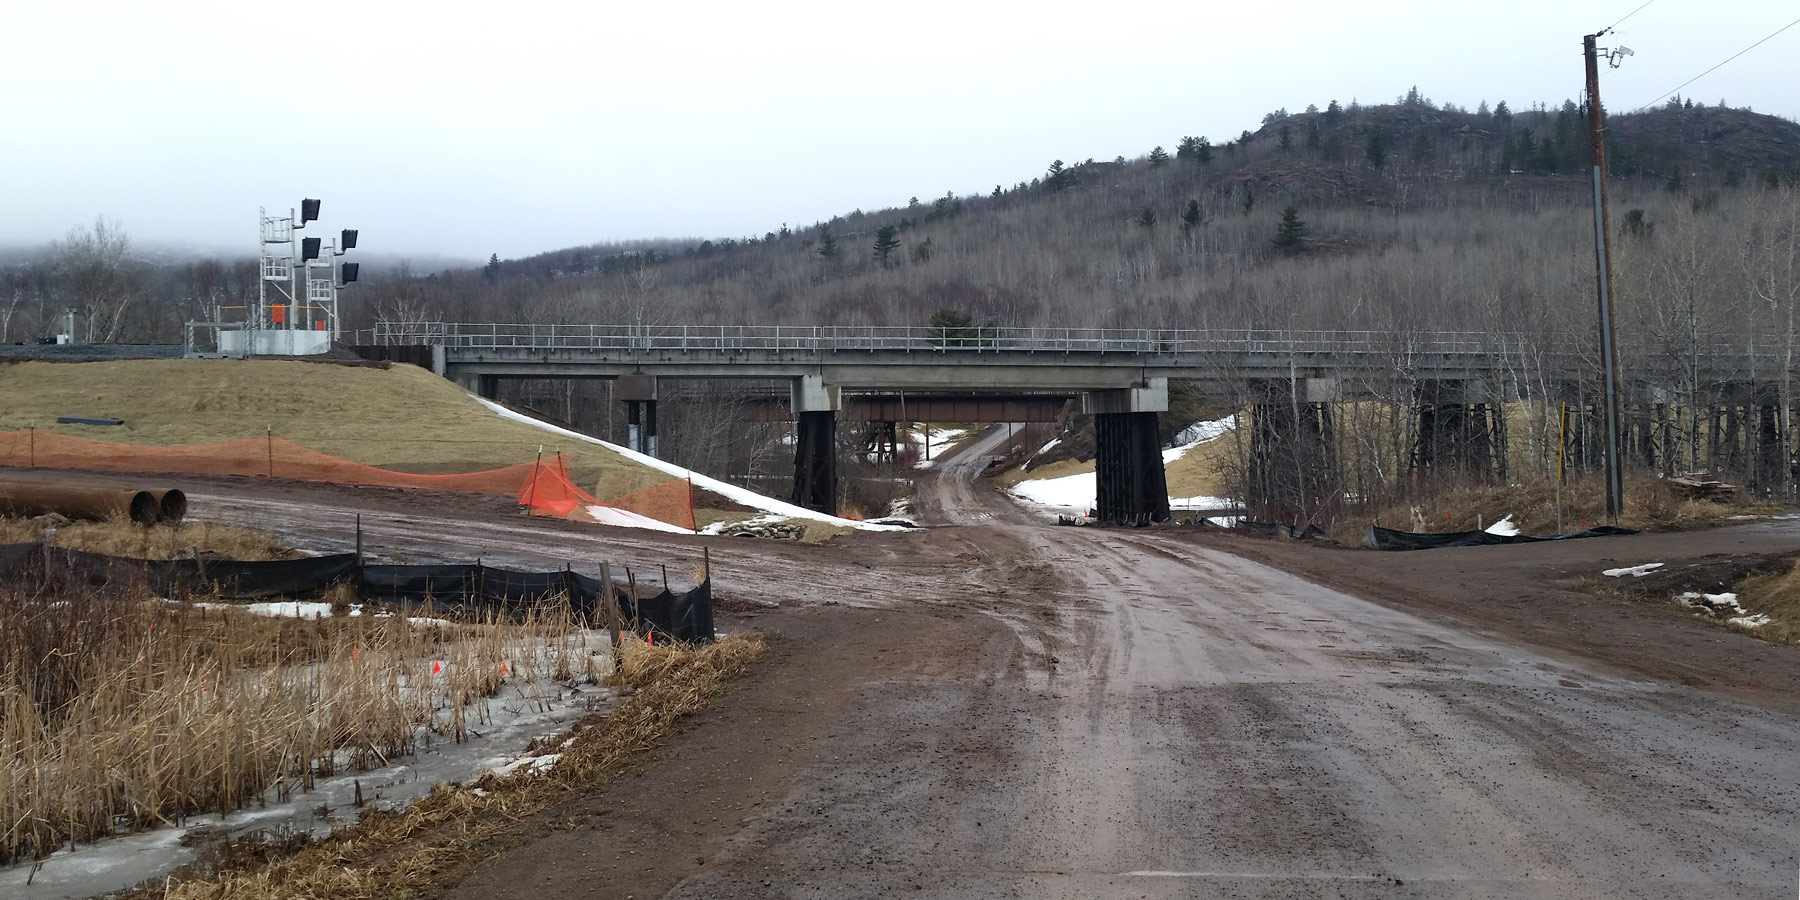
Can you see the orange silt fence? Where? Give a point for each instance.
(543, 487)
(671, 501)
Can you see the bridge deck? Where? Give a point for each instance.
(1038, 359)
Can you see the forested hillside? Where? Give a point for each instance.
(1408, 213)
(1389, 218)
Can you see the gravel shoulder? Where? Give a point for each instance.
(1527, 593)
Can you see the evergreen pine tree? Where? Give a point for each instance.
(1147, 218)
(828, 249)
(1291, 232)
(491, 271)
(1375, 148)
(1191, 217)
(887, 240)
(1287, 138)
(1188, 149)
(1158, 157)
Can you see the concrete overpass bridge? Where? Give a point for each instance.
(1121, 376)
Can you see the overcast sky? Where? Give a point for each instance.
(518, 127)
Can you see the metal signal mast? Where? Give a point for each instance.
(297, 295)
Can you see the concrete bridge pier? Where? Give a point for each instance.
(816, 406)
(1459, 429)
(1292, 470)
(1130, 487)
(638, 393)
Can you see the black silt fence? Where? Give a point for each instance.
(476, 589)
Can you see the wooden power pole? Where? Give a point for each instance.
(1615, 484)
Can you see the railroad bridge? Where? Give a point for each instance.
(1457, 382)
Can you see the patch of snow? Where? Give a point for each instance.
(534, 764)
(1505, 527)
(729, 491)
(625, 518)
(1068, 492)
(933, 446)
(1717, 604)
(312, 609)
(1181, 503)
(1199, 433)
(1633, 571)
(1752, 621)
(1077, 492)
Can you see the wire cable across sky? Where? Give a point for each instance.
(1717, 67)
(1629, 15)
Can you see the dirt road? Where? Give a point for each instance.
(1018, 710)
(951, 495)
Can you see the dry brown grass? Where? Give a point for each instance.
(1649, 504)
(1778, 597)
(122, 711)
(402, 418)
(437, 840)
(121, 537)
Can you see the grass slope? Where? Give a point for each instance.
(402, 418)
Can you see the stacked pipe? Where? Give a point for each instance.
(77, 500)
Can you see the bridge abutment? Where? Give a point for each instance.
(816, 406)
(486, 387)
(1130, 486)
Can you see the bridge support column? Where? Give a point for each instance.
(1292, 471)
(638, 393)
(1460, 429)
(816, 407)
(1130, 487)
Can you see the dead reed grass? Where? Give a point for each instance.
(441, 837)
(1778, 597)
(120, 712)
(121, 537)
(1467, 506)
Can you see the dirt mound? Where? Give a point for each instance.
(401, 418)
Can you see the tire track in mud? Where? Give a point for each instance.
(1182, 722)
(1149, 718)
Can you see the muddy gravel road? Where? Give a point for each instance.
(1012, 710)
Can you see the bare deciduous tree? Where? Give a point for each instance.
(100, 280)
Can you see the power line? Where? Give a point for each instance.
(1715, 68)
(1627, 16)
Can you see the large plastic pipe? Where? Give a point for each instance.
(75, 500)
(171, 505)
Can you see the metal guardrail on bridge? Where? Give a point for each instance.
(923, 339)
(1741, 354)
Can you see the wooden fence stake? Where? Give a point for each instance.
(611, 599)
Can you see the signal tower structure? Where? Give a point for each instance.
(297, 293)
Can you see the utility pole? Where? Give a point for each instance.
(1615, 484)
